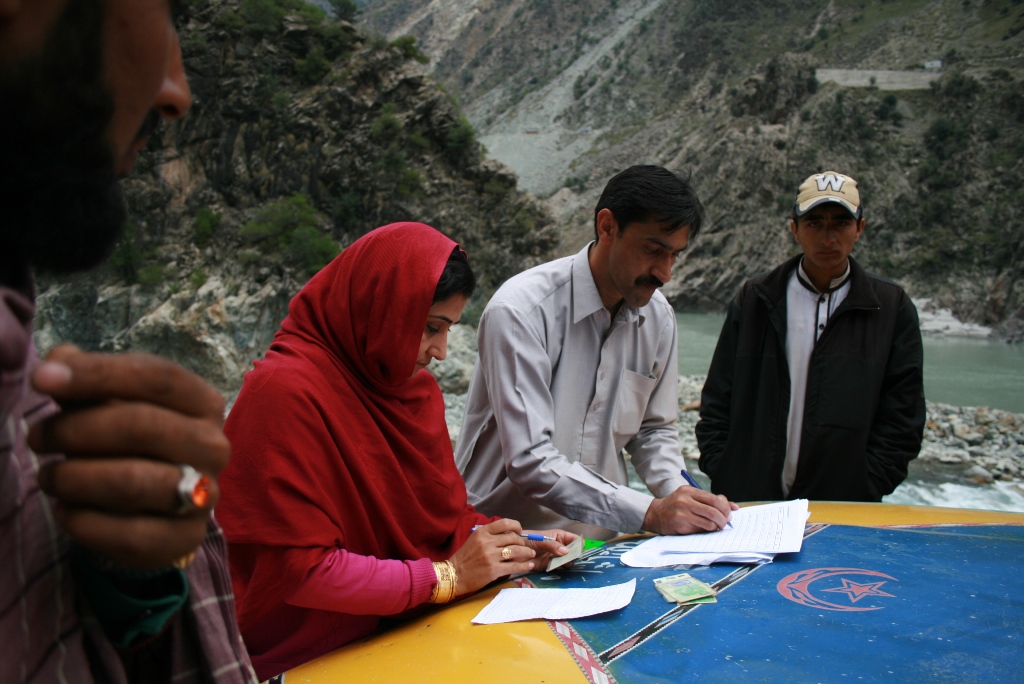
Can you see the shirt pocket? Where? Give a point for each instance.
(631, 402)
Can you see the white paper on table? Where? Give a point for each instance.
(768, 529)
(661, 560)
(515, 604)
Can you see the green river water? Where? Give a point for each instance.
(957, 370)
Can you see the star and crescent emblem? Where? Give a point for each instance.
(855, 583)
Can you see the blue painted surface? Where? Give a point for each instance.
(954, 612)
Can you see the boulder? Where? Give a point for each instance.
(978, 474)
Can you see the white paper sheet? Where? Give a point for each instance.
(764, 530)
(665, 559)
(511, 605)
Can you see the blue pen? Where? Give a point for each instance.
(531, 537)
(693, 483)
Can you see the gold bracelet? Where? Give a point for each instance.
(447, 582)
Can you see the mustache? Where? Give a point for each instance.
(649, 280)
(149, 125)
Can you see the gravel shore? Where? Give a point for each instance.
(981, 444)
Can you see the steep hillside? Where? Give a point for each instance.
(569, 93)
(303, 135)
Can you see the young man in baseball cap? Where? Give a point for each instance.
(815, 389)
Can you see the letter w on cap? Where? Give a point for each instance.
(830, 181)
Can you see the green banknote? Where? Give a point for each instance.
(684, 589)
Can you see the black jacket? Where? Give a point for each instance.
(864, 410)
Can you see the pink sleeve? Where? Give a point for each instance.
(363, 585)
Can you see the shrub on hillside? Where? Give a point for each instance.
(288, 227)
(960, 86)
(265, 15)
(313, 67)
(204, 225)
(347, 210)
(887, 110)
(151, 276)
(386, 125)
(344, 10)
(461, 138)
(407, 44)
(127, 255)
(945, 138)
(310, 250)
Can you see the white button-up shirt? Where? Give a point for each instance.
(807, 313)
(559, 390)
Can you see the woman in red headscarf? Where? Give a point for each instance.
(342, 502)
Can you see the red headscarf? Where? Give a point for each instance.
(333, 444)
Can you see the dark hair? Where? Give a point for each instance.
(652, 193)
(456, 279)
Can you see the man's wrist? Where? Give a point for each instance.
(633, 507)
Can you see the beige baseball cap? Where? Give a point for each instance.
(828, 187)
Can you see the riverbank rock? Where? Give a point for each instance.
(978, 437)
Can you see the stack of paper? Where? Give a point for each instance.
(757, 533)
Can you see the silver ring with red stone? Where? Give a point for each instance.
(193, 490)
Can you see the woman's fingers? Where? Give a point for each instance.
(494, 551)
(511, 553)
(505, 526)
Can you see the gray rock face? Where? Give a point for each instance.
(363, 137)
(211, 331)
(570, 93)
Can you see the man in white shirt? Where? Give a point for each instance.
(578, 362)
(815, 390)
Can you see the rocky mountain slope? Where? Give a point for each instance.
(569, 93)
(303, 135)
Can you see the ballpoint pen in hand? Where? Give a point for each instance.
(530, 537)
(693, 483)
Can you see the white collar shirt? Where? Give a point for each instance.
(559, 390)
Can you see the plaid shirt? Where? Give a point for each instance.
(46, 628)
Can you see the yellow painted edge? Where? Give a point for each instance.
(880, 515)
(445, 646)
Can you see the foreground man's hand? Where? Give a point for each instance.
(688, 510)
(127, 422)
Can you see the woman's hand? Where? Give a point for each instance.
(546, 550)
(480, 561)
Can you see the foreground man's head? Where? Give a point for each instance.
(83, 84)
